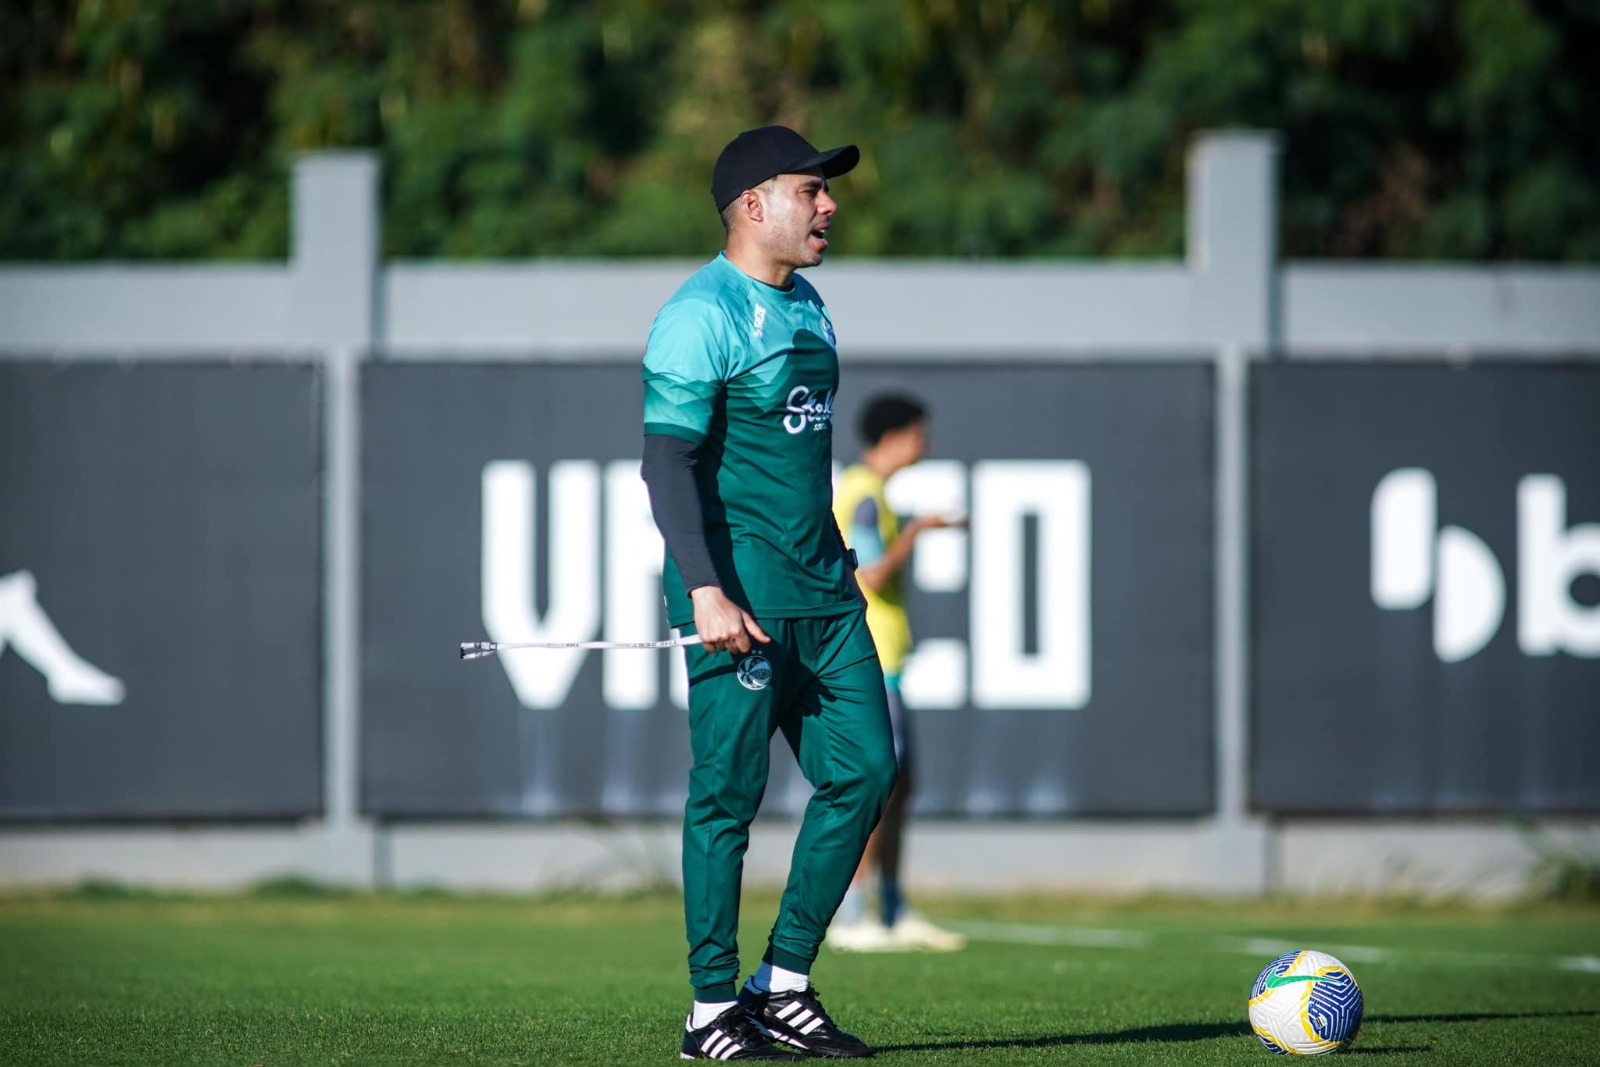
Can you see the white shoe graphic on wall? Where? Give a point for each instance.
(26, 628)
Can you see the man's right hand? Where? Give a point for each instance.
(957, 519)
(723, 626)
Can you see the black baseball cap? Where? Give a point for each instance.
(756, 155)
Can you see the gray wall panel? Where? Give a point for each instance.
(1370, 310)
(1142, 741)
(443, 738)
(517, 310)
(1420, 647)
(156, 311)
(159, 558)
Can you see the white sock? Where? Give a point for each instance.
(704, 1013)
(770, 979)
(789, 981)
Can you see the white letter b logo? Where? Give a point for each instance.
(1550, 556)
(1470, 590)
(1465, 579)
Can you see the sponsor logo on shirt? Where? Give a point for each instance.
(808, 408)
(760, 324)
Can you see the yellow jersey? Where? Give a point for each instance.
(870, 527)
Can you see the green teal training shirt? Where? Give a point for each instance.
(748, 373)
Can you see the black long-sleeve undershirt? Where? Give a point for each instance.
(669, 475)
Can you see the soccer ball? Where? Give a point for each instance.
(1305, 1004)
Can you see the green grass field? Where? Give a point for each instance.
(100, 977)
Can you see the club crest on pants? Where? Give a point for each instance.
(754, 671)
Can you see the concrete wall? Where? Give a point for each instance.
(1231, 301)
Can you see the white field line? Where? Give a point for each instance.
(1032, 934)
(1265, 948)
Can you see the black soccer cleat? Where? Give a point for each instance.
(798, 1019)
(733, 1035)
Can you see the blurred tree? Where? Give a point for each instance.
(132, 129)
(992, 128)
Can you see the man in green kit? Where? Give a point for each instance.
(740, 372)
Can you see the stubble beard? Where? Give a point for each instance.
(794, 250)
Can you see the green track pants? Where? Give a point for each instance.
(820, 683)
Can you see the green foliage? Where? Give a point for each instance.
(105, 889)
(1563, 871)
(297, 887)
(992, 128)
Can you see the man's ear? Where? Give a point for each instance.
(754, 209)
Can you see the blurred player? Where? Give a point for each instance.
(894, 430)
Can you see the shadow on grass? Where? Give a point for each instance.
(1181, 1032)
(1175, 1033)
